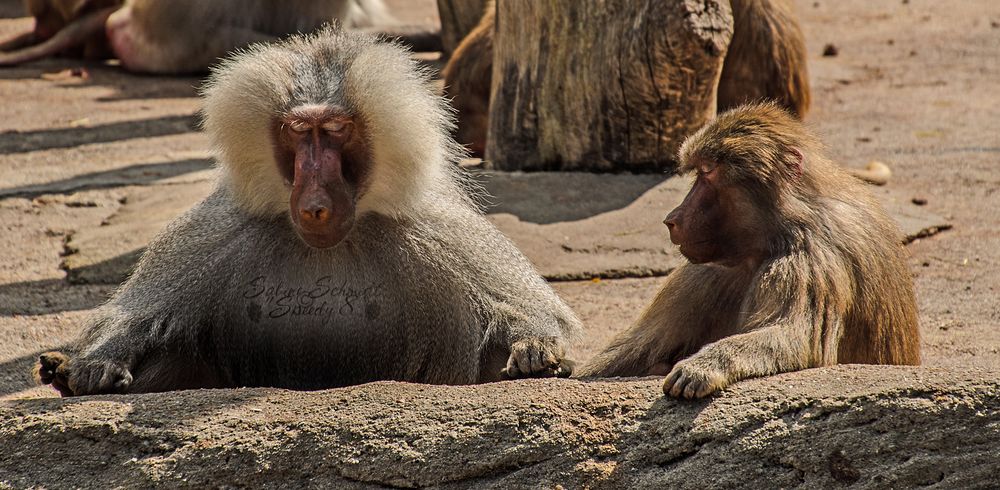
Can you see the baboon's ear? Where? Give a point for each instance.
(795, 161)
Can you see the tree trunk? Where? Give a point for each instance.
(602, 85)
(458, 17)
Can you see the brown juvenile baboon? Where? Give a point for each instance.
(793, 264)
(339, 247)
(766, 58)
(182, 36)
(766, 61)
(467, 80)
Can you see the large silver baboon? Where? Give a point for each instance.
(339, 247)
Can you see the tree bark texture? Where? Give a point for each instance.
(603, 85)
(458, 17)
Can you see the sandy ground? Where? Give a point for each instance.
(866, 427)
(915, 84)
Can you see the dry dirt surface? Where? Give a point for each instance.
(86, 147)
(887, 427)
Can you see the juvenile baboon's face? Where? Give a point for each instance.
(693, 225)
(700, 225)
(322, 155)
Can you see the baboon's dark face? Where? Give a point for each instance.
(322, 155)
(699, 224)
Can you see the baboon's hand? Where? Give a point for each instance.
(83, 376)
(691, 379)
(537, 357)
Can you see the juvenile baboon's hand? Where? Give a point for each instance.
(690, 379)
(537, 357)
(82, 376)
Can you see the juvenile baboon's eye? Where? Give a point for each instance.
(706, 167)
(299, 126)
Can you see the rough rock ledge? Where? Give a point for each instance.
(821, 428)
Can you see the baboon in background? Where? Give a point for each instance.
(793, 264)
(52, 17)
(766, 60)
(184, 36)
(467, 78)
(339, 247)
